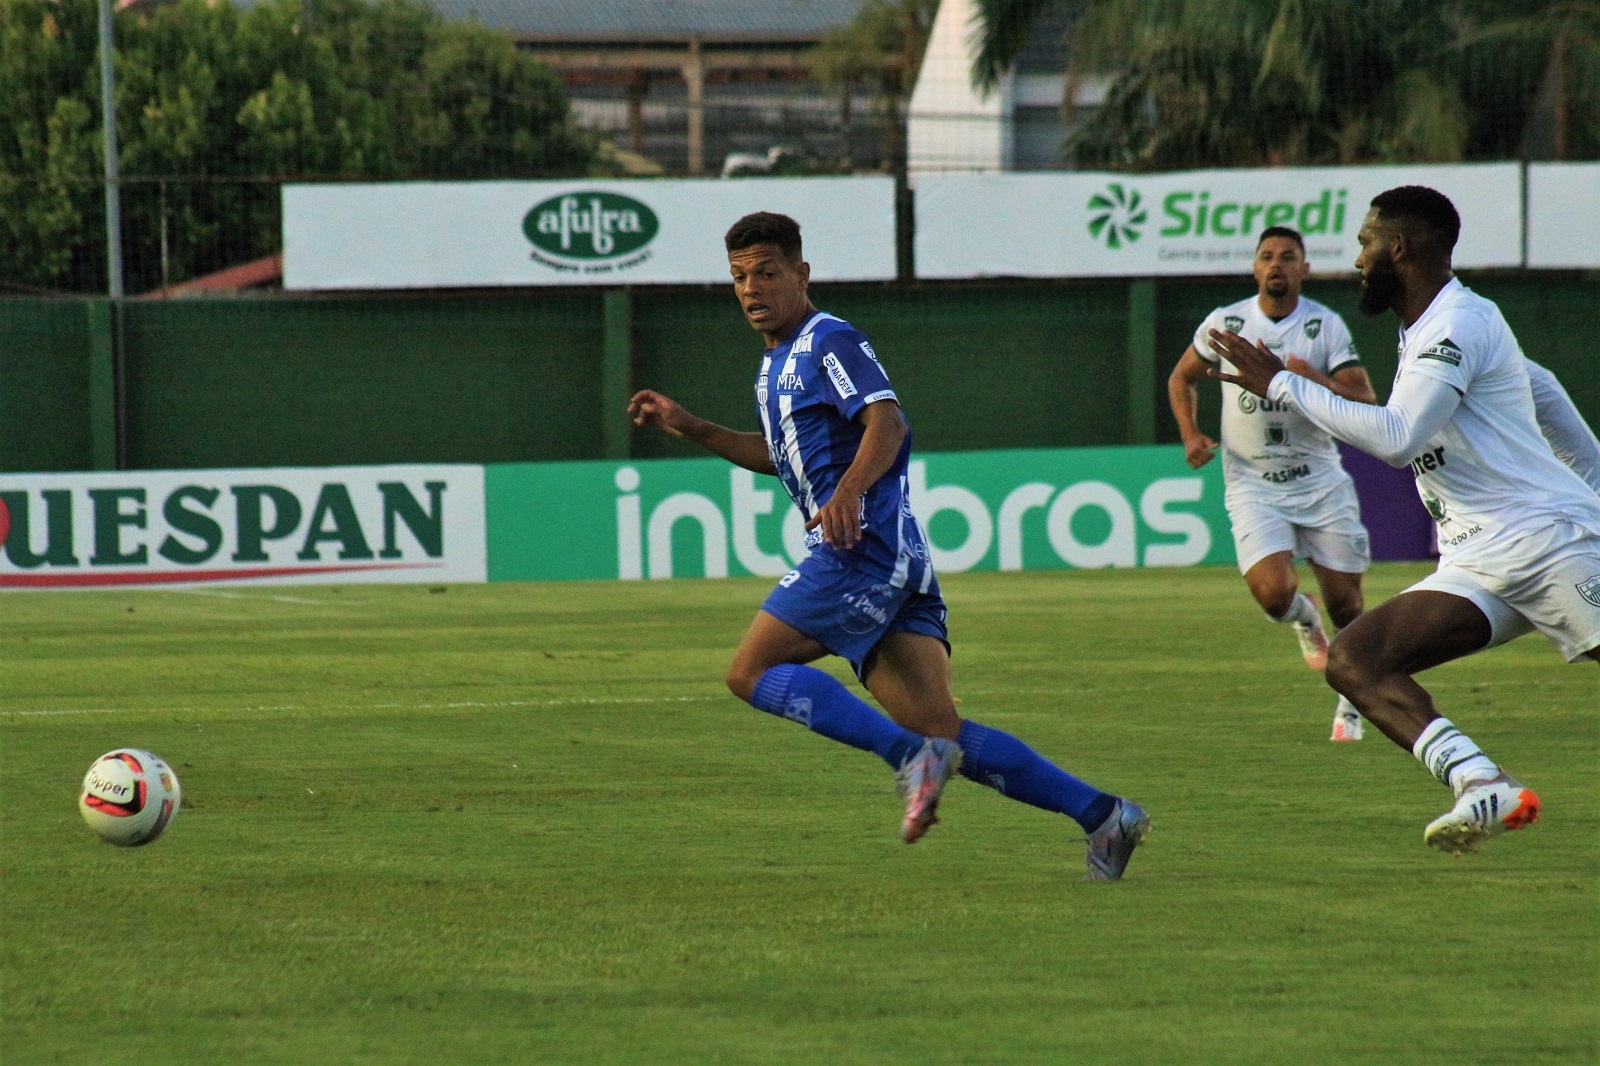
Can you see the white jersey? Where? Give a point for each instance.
(1270, 450)
(1488, 477)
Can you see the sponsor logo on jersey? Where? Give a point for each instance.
(1429, 460)
(802, 345)
(590, 226)
(1313, 327)
(1283, 477)
(1233, 323)
(791, 382)
(881, 394)
(841, 379)
(866, 348)
(1250, 403)
(1276, 436)
(1117, 215)
(1435, 507)
(1445, 351)
(1590, 590)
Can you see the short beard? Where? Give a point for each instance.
(1380, 289)
(1277, 289)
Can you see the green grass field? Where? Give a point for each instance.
(526, 823)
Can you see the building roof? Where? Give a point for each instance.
(654, 20)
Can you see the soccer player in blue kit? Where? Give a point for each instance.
(833, 433)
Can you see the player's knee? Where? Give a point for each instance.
(1347, 669)
(1274, 597)
(741, 679)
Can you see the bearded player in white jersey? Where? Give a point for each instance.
(1287, 493)
(1519, 530)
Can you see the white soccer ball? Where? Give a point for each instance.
(129, 797)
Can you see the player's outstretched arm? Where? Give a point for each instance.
(1184, 399)
(1569, 435)
(749, 450)
(1351, 382)
(1418, 408)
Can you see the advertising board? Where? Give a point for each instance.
(407, 235)
(1046, 509)
(275, 526)
(1564, 215)
(1086, 224)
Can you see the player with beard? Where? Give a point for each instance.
(1287, 493)
(1519, 531)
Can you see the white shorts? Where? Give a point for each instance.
(1550, 582)
(1326, 529)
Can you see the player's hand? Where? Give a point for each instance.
(650, 408)
(1298, 365)
(1255, 365)
(840, 519)
(1199, 450)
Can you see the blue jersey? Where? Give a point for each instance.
(810, 390)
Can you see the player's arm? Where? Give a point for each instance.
(749, 450)
(1184, 398)
(840, 516)
(1563, 427)
(1419, 408)
(1349, 381)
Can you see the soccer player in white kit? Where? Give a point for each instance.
(1519, 529)
(1287, 493)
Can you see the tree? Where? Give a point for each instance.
(1261, 82)
(217, 106)
(879, 50)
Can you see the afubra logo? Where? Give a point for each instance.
(1117, 215)
(595, 232)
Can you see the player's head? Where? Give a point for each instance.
(769, 276)
(1280, 266)
(1409, 229)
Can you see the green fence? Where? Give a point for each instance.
(542, 375)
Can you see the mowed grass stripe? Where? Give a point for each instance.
(596, 855)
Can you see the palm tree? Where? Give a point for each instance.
(1267, 82)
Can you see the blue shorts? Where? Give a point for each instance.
(849, 612)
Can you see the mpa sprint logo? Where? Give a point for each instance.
(1117, 215)
(591, 232)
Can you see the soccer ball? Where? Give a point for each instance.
(129, 797)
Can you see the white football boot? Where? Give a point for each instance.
(1347, 723)
(1313, 638)
(1482, 811)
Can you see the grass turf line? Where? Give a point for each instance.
(523, 823)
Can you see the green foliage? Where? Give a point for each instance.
(217, 105)
(880, 50)
(527, 824)
(1269, 82)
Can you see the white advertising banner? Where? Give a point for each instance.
(1564, 215)
(275, 526)
(409, 235)
(1091, 224)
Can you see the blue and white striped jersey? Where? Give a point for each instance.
(810, 390)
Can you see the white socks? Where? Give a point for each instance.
(1301, 610)
(1452, 757)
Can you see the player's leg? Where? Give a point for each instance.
(769, 672)
(1341, 592)
(909, 674)
(1276, 589)
(1372, 664)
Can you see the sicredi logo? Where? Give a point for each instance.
(595, 232)
(1116, 215)
(1193, 213)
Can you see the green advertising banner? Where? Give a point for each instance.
(1047, 509)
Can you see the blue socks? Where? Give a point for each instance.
(999, 760)
(1013, 769)
(818, 702)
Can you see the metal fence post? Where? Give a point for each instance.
(1141, 361)
(616, 375)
